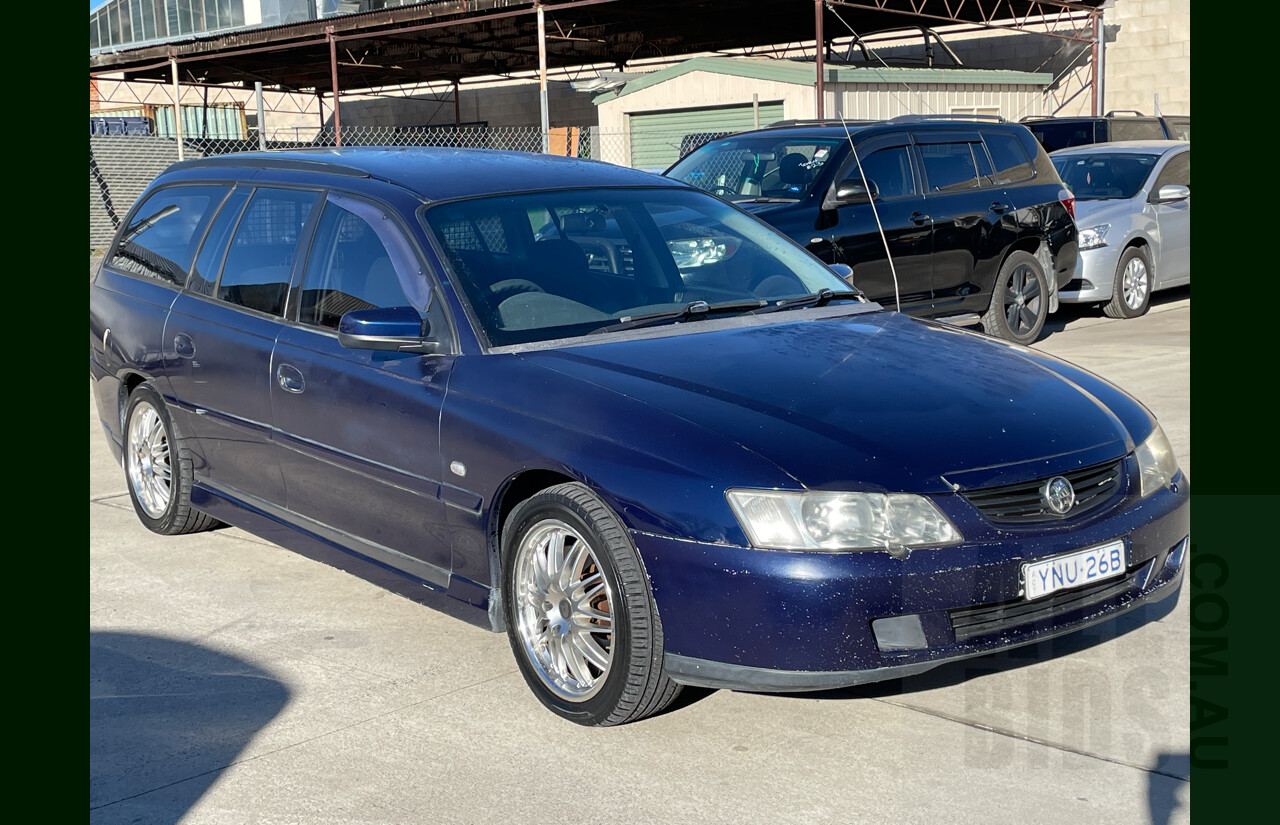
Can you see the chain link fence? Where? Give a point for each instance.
(121, 165)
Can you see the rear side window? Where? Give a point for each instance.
(950, 167)
(1009, 157)
(256, 272)
(161, 239)
(1136, 129)
(1055, 135)
(214, 248)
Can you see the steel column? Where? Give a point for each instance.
(542, 80)
(820, 47)
(333, 82)
(177, 105)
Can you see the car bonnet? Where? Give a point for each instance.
(879, 401)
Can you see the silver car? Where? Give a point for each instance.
(1133, 210)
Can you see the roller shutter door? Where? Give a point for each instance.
(656, 137)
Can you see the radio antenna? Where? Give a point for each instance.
(893, 270)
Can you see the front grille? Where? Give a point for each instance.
(1022, 504)
(971, 622)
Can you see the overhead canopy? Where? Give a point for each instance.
(453, 40)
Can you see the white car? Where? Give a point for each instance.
(1133, 210)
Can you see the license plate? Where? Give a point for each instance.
(1073, 570)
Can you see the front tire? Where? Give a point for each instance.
(580, 616)
(1019, 301)
(157, 468)
(1131, 295)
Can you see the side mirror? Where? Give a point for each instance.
(1172, 192)
(394, 329)
(844, 271)
(851, 191)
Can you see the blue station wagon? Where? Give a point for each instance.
(650, 438)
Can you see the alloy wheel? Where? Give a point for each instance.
(563, 616)
(147, 460)
(1022, 300)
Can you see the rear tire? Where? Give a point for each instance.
(1131, 294)
(580, 616)
(1019, 301)
(157, 468)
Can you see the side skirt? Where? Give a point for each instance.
(460, 598)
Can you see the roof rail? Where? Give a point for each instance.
(819, 122)
(927, 118)
(260, 160)
(1133, 112)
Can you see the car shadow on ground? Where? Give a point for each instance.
(166, 718)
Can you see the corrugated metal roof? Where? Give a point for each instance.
(804, 74)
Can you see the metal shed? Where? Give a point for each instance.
(657, 111)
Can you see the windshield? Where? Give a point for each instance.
(760, 167)
(549, 265)
(1104, 175)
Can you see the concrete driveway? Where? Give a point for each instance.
(232, 681)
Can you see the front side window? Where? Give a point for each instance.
(1177, 171)
(161, 239)
(757, 167)
(890, 170)
(677, 247)
(349, 268)
(260, 259)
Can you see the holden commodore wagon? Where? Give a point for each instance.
(645, 435)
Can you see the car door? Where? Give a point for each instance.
(850, 233)
(222, 332)
(1173, 260)
(972, 220)
(358, 430)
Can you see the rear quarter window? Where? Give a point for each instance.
(1009, 156)
(161, 238)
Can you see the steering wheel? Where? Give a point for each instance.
(721, 190)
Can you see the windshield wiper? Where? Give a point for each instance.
(813, 299)
(693, 309)
(765, 200)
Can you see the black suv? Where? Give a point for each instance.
(1056, 133)
(972, 212)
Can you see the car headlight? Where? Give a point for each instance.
(1157, 465)
(1093, 237)
(780, 520)
(692, 252)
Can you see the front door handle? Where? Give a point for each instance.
(919, 218)
(185, 347)
(290, 378)
(999, 207)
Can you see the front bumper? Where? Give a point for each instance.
(1094, 278)
(762, 620)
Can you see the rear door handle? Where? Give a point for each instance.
(919, 218)
(999, 207)
(290, 378)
